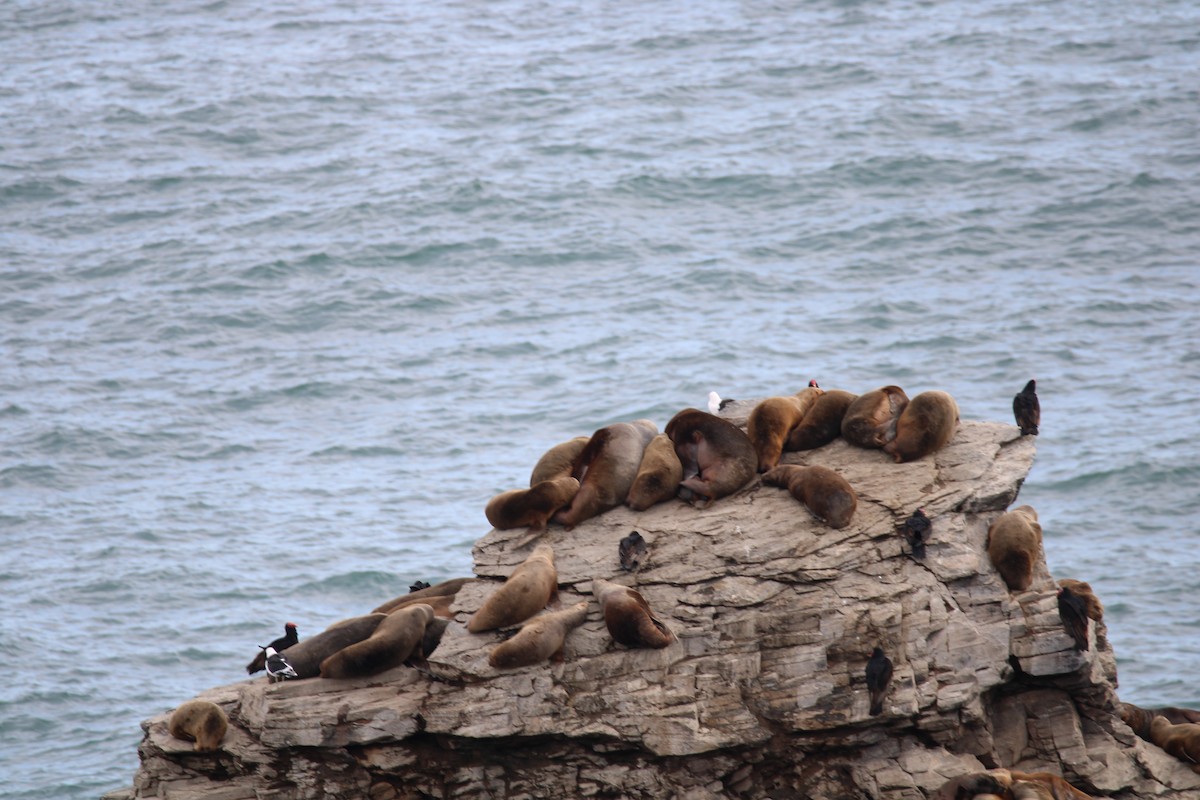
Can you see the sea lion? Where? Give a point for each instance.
(390, 645)
(199, 721)
(1003, 784)
(306, 657)
(1139, 719)
(531, 508)
(1180, 740)
(1083, 589)
(1013, 542)
(628, 616)
(1072, 610)
(658, 475)
(289, 638)
(1027, 411)
(823, 422)
(444, 589)
(606, 469)
(927, 423)
(558, 460)
(433, 636)
(826, 493)
(879, 679)
(772, 421)
(870, 419)
(631, 551)
(539, 638)
(527, 591)
(717, 457)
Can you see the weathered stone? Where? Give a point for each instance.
(764, 692)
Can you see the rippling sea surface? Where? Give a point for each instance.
(289, 290)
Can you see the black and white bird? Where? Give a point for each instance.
(288, 639)
(879, 678)
(1027, 410)
(278, 668)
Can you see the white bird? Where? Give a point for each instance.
(714, 403)
(278, 668)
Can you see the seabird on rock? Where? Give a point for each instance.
(714, 402)
(288, 639)
(418, 586)
(1072, 609)
(879, 678)
(812, 384)
(278, 668)
(917, 528)
(1027, 410)
(631, 550)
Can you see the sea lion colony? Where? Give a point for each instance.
(699, 459)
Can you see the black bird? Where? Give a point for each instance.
(1027, 410)
(917, 529)
(278, 668)
(879, 678)
(288, 639)
(813, 384)
(632, 551)
(418, 586)
(1072, 609)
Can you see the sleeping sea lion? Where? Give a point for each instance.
(773, 419)
(199, 721)
(628, 617)
(823, 422)
(717, 457)
(539, 638)
(1180, 740)
(927, 423)
(658, 475)
(870, 419)
(558, 460)
(531, 508)
(427, 595)
(826, 493)
(306, 657)
(1014, 539)
(526, 592)
(390, 645)
(606, 468)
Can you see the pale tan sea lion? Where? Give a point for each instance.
(199, 721)
(772, 421)
(539, 638)
(826, 493)
(870, 420)
(390, 645)
(444, 589)
(558, 460)
(823, 422)
(531, 508)
(717, 457)
(628, 616)
(1014, 539)
(1139, 719)
(526, 592)
(927, 423)
(1180, 740)
(658, 475)
(306, 657)
(606, 469)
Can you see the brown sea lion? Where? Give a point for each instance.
(558, 460)
(199, 721)
(628, 616)
(823, 422)
(539, 638)
(927, 423)
(658, 475)
(773, 419)
(526, 592)
(1139, 719)
(1003, 784)
(826, 493)
(531, 508)
(870, 419)
(1083, 589)
(306, 657)
(1014, 539)
(717, 457)
(390, 645)
(606, 469)
(1072, 610)
(1180, 740)
(444, 589)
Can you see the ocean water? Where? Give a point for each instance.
(288, 291)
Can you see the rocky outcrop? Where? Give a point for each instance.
(763, 693)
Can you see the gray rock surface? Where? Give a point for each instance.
(763, 694)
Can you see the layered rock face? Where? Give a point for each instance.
(763, 694)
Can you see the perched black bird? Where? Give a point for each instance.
(813, 384)
(917, 529)
(632, 551)
(1073, 610)
(278, 668)
(288, 639)
(1027, 410)
(418, 586)
(879, 678)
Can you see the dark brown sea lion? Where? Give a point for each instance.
(289, 638)
(1003, 784)
(606, 469)
(531, 508)
(526, 592)
(1180, 740)
(390, 645)
(539, 638)
(1083, 589)
(1027, 411)
(1139, 719)
(826, 493)
(1014, 540)
(717, 457)
(870, 419)
(658, 475)
(444, 589)
(1072, 610)
(927, 423)
(772, 421)
(558, 460)
(199, 721)
(823, 422)
(628, 616)
(306, 657)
